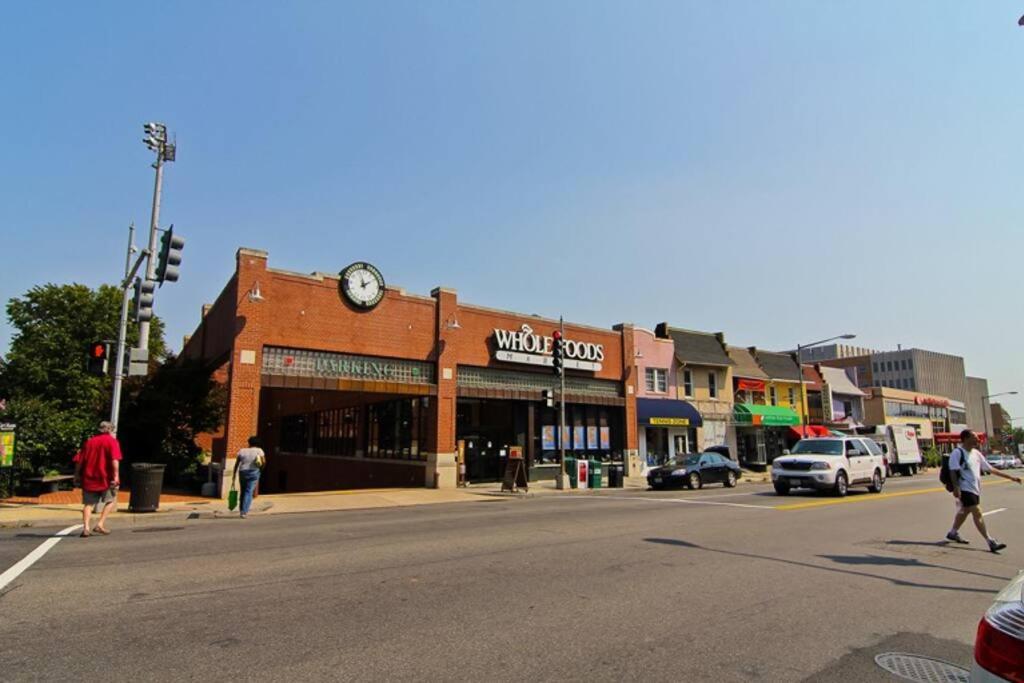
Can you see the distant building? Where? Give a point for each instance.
(978, 409)
(832, 351)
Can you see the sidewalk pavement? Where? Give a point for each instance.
(63, 508)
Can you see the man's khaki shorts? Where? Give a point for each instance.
(98, 498)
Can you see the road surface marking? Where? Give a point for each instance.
(866, 498)
(992, 512)
(673, 500)
(30, 559)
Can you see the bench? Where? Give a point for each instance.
(40, 485)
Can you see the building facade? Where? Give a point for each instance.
(704, 379)
(816, 354)
(977, 409)
(352, 383)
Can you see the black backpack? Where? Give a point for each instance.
(944, 475)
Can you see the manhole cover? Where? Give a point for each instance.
(919, 668)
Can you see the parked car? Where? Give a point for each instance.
(830, 464)
(695, 470)
(999, 642)
(1001, 461)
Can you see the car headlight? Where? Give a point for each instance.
(821, 466)
(778, 465)
(678, 473)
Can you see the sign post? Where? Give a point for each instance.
(7, 450)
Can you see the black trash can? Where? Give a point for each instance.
(147, 482)
(616, 475)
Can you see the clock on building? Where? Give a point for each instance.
(362, 285)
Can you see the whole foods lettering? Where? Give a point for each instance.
(525, 340)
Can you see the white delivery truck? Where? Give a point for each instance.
(902, 452)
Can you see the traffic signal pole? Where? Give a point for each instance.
(561, 483)
(122, 331)
(151, 250)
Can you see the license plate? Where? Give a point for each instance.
(657, 480)
(795, 482)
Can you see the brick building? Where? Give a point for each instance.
(397, 391)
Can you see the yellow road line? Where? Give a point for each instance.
(867, 498)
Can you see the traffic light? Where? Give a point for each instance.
(558, 352)
(98, 354)
(143, 302)
(169, 259)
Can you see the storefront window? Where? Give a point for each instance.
(687, 383)
(396, 429)
(657, 380)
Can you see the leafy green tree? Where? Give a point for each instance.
(54, 401)
(161, 421)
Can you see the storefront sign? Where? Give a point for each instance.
(303, 363)
(929, 401)
(526, 347)
(7, 444)
(669, 421)
(750, 385)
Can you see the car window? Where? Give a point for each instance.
(818, 447)
(850, 447)
(873, 447)
(713, 458)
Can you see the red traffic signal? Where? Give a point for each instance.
(98, 350)
(556, 335)
(97, 360)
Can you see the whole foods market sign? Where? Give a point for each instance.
(526, 347)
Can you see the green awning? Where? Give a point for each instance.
(765, 416)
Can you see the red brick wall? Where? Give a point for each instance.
(306, 312)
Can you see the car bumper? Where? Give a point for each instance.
(665, 481)
(819, 480)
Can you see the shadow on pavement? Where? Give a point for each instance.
(880, 560)
(809, 565)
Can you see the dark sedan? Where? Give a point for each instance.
(693, 471)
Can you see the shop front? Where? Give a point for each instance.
(762, 432)
(666, 428)
(351, 383)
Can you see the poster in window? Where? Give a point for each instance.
(547, 438)
(592, 438)
(606, 438)
(567, 436)
(578, 437)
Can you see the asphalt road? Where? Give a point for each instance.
(715, 585)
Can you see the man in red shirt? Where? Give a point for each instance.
(97, 468)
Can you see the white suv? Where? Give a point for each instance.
(830, 463)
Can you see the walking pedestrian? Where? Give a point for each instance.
(248, 464)
(97, 470)
(966, 463)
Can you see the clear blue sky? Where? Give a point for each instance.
(778, 171)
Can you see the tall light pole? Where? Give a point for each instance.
(1002, 393)
(156, 140)
(800, 370)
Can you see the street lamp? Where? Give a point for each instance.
(800, 370)
(1003, 393)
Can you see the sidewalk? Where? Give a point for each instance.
(64, 507)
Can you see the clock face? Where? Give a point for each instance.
(362, 285)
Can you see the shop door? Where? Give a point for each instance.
(657, 446)
(482, 460)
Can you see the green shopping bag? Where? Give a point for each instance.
(232, 496)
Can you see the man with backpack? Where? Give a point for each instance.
(966, 464)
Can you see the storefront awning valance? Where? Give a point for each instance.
(666, 412)
(812, 430)
(765, 416)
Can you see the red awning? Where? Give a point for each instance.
(812, 430)
(954, 437)
(750, 385)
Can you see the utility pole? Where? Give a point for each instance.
(156, 140)
(559, 366)
(122, 332)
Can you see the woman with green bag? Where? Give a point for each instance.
(248, 463)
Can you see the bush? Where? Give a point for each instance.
(932, 457)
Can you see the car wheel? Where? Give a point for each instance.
(842, 485)
(730, 479)
(914, 469)
(781, 489)
(693, 481)
(876, 482)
